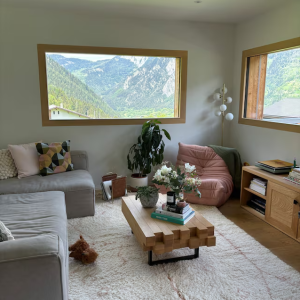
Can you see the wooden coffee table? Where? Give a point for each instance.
(160, 236)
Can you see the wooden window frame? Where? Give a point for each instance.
(180, 86)
(261, 51)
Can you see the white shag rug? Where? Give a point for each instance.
(238, 267)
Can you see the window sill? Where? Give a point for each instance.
(270, 124)
(94, 122)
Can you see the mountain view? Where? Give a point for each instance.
(112, 86)
(282, 78)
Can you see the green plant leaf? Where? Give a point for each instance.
(167, 134)
(147, 123)
(145, 129)
(162, 149)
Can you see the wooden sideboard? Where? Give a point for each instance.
(282, 200)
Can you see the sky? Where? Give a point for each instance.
(91, 57)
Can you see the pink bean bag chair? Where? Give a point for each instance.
(217, 184)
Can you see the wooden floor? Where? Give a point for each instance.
(277, 242)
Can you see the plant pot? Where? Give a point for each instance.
(149, 201)
(136, 181)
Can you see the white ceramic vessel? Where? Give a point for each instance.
(138, 181)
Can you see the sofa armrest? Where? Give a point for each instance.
(33, 268)
(79, 160)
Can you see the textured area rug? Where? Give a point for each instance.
(238, 267)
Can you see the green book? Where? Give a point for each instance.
(179, 221)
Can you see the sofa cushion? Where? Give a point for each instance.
(7, 165)
(54, 158)
(28, 215)
(77, 185)
(39, 224)
(26, 159)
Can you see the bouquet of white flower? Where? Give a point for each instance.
(183, 179)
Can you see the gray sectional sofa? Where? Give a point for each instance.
(77, 185)
(35, 265)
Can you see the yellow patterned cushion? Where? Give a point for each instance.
(54, 158)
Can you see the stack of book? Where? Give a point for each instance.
(258, 204)
(174, 214)
(259, 185)
(275, 166)
(294, 176)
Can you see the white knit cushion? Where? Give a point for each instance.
(5, 234)
(7, 165)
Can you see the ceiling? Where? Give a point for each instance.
(222, 11)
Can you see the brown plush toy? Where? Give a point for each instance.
(81, 251)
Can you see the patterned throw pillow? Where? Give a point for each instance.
(7, 165)
(54, 158)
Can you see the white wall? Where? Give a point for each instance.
(255, 143)
(210, 48)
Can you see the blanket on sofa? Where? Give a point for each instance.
(233, 161)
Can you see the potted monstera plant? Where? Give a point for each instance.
(146, 153)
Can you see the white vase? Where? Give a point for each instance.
(138, 181)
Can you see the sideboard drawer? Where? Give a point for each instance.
(282, 209)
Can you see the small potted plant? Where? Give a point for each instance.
(148, 195)
(147, 152)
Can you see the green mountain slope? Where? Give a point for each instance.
(132, 86)
(65, 88)
(149, 87)
(102, 75)
(283, 76)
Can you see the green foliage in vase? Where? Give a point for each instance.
(149, 149)
(180, 179)
(146, 191)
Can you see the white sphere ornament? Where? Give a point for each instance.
(223, 107)
(221, 90)
(217, 96)
(228, 99)
(218, 113)
(229, 117)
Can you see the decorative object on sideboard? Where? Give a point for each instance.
(147, 152)
(223, 107)
(294, 176)
(275, 166)
(148, 195)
